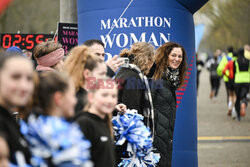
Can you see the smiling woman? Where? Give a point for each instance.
(16, 87)
(170, 60)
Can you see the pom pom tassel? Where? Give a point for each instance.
(131, 128)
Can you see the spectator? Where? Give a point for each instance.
(96, 124)
(170, 60)
(97, 48)
(4, 152)
(16, 88)
(135, 88)
(49, 56)
(15, 50)
(48, 133)
(81, 66)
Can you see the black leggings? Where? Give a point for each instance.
(229, 87)
(241, 90)
(215, 84)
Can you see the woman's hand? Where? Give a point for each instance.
(121, 108)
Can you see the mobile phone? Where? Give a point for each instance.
(125, 62)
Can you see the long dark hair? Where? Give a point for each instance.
(242, 61)
(161, 60)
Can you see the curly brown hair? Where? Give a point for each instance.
(140, 54)
(77, 61)
(161, 60)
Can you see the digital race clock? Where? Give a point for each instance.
(24, 41)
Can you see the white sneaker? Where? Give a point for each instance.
(230, 105)
(234, 114)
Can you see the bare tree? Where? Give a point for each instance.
(30, 16)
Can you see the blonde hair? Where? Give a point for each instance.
(140, 54)
(77, 61)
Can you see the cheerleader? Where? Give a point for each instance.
(95, 122)
(16, 88)
(52, 140)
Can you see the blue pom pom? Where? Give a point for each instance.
(55, 138)
(131, 128)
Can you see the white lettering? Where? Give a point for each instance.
(153, 40)
(168, 22)
(107, 40)
(132, 22)
(123, 22)
(125, 40)
(158, 21)
(105, 25)
(149, 21)
(115, 23)
(139, 21)
(163, 37)
(136, 22)
(133, 38)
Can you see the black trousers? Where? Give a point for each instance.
(241, 90)
(215, 84)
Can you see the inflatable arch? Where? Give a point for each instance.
(120, 23)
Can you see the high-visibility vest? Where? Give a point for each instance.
(222, 65)
(241, 76)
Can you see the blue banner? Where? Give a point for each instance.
(120, 23)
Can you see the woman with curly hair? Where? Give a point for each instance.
(135, 89)
(170, 60)
(134, 93)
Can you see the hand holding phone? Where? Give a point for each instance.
(125, 62)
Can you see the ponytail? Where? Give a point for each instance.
(77, 61)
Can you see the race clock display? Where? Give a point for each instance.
(24, 41)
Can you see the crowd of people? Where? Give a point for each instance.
(57, 109)
(234, 67)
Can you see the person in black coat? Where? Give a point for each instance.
(134, 89)
(16, 87)
(170, 60)
(132, 78)
(4, 151)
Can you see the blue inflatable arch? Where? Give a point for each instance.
(120, 23)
